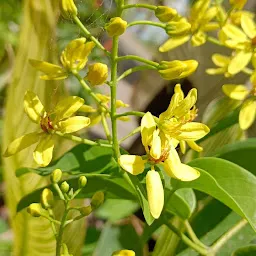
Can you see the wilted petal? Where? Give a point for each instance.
(21, 143)
(73, 124)
(68, 106)
(148, 126)
(173, 43)
(192, 131)
(247, 114)
(155, 193)
(133, 164)
(43, 152)
(33, 107)
(239, 62)
(234, 91)
(248, 26)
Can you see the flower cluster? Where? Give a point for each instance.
(160, 137)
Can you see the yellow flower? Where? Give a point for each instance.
(124, 253)
(116, 26)
(178, 28)
(177, 69)
(97, 74)
(68, 8)
(61, 119)
(73, 59)
(243, 41)
(201, 22)
(222, 63)
(165, 13)
(160, 139)
(248, 110)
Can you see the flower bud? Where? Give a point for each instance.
(64, 187)
(178, 28)
(82, 181)
(155, 193)
(47, 199)
(85, 211)
(165, 13)
(121, 104)
(35, 210)
(97, 74)
(56, 176)
(239, 4)
(97, 200)
(116, 27)
(68, 8)
(124, 253)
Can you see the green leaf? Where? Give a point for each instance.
(115, 238)
(241, 153)
(112, 186)
(80, 159)
(182, 203)
(227, 182)
(249, 250)
(116, 209)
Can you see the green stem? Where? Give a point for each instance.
(146, 22)
(105, 126)
(137, 58)
(82, 140)
(131, 113)
(58, 190)
(146, 6)
(130, 134)
(185, 239)
(135, 69)
(220, 242)
(214, 40)
(192, 234)
(89, 90)
(89, 35)
(114, 58)
(61, 230)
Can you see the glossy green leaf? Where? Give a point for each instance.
(115, 238)
(112, 186)
(227, 182)
(249, 250)
(80, 159)
(116, 209)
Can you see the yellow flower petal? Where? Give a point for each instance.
(68, 106)
(148, 126)
(175, 169)
(239, 62)
(198, 39)
(215, 71)
(124, 253)
(87, 109)
(155, 193)
(236, 92)
(234, 33)
(155, 150)
(43, 152)
(21, 143)
(248, 26)
(193, 131)
(247, 114)
(173, 43)
(133, 164)
(220, 60)
(33, 107)
(194, 146)
(73, 124)
(183, 146)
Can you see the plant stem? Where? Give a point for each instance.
(140, 59)
(192, 234)
(146, 6)
(146, 22)
(135, 69)
(220, 242)
(61, 230)
(105, 126)
(82, 140)
(130, 134)
(89, 35)
(131, 113)
(114, 59)
(185, 239)
(89, 90)
(214, 40)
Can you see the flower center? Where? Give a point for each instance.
(163, 157)
(46, 124)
